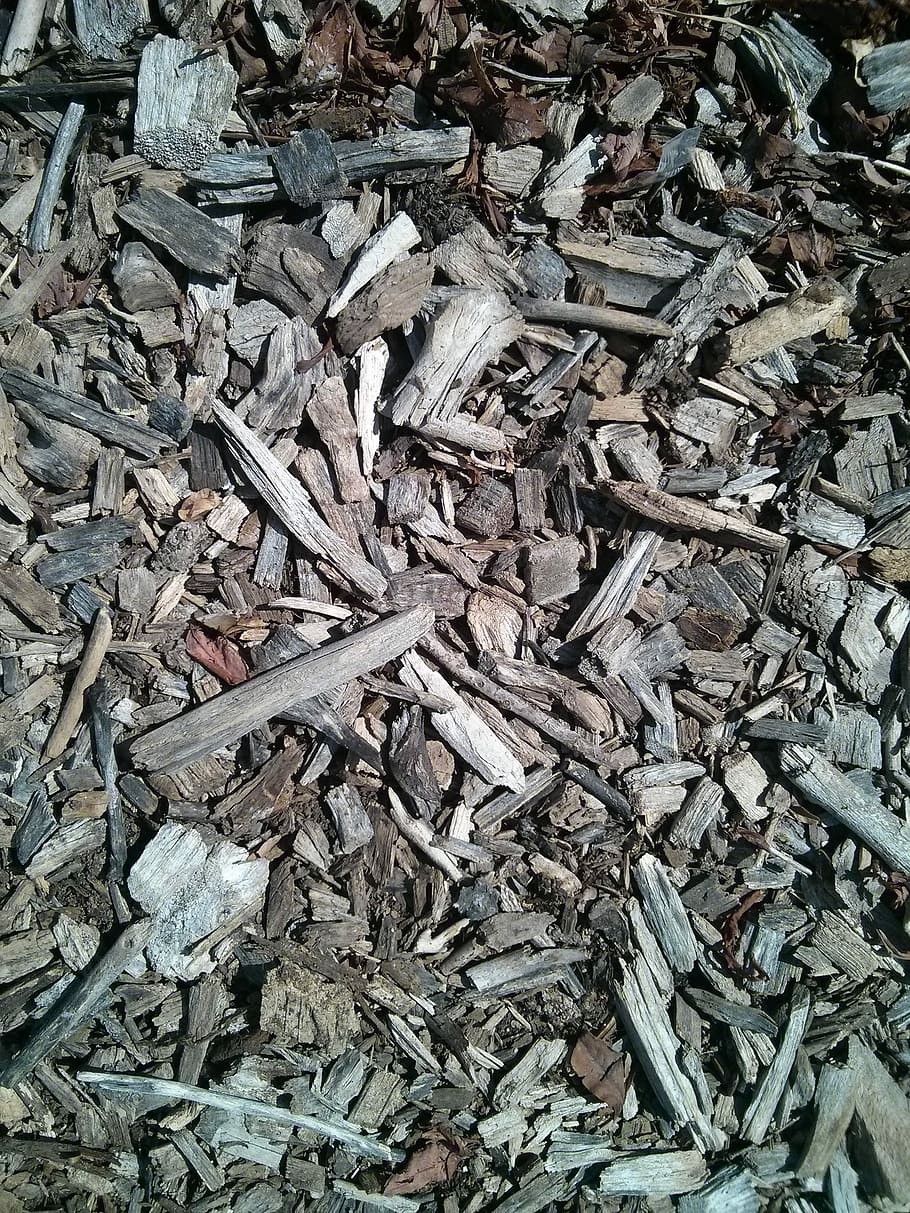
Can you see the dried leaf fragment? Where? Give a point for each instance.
(601, 1070)
(434, 1161)
(219, 656)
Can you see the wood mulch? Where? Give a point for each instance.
(455, 527)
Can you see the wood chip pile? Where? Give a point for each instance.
(455, 528)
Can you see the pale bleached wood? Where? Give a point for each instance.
(228, 716)
(377, 254)
(467, 332)
(183, 99)
(462, 729)
(131, 1086)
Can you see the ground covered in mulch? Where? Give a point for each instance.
(455, 531)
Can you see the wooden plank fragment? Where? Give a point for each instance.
(191, 237)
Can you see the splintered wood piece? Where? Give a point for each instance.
(77, 1004)
(760, 1112)
(289, 501)
(193, 890)
(886, 73)
(464, 335)
(351, 821)
(666, 914)
(182, 103)
(419, 834)
(805, 313)
(657, 1174)
(690, 314)
(835, 1101)
(226, 717)
(132, 1086)
(330, 413)
(582, 315)
(615, 595)
(824, 786)
(191, 237)
(376, 255)
(685, 514)
(643, 1013)
(90, 666)
(104, 30)
(462, 729)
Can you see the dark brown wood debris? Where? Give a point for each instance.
(454, 550)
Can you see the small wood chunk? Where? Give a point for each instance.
(142, 280)
(407, 496)
(636, 103)
(386, 303)
(489, 509)
(330, 413)
(191, 237)
(551, 570)
(352, 824)
(183, 99)
(28, 598)
(308, 168)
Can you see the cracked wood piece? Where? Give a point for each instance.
(690, 315)
(575, 741)
(760, 1113)
(825, 787)
(835, 1101)
(804, 314)
(77, 1004)
(582, 315)
(183, 99)
(361, 160)
(288, 500)
(465, 334)
(880, 1131)
(330, 413)
(104, 29)
(90, 666)
(74, 410)
(132, 1086)
(685, 514)
(190, 236)
(376, 255)
(643, 1013)
(226, 717)
(654, 1174)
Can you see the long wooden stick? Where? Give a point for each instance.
(228, 716)
(92, 657)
